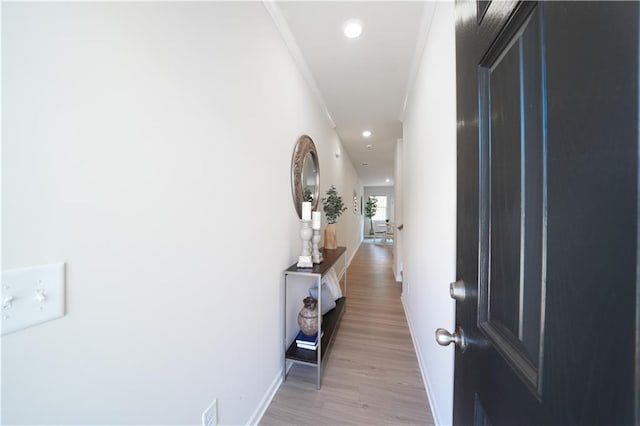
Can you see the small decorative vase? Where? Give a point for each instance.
(330, 239)
(308, 316)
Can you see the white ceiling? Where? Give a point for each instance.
(362, 83)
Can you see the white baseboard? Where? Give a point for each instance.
(354, 252)
(397, 274)
(425, 379)
(341, 273)
(267, 398)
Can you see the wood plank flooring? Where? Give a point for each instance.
(372, 375)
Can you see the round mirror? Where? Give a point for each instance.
(305, 174)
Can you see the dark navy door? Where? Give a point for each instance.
(547, 98)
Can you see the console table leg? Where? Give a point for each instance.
(345, 277)
(284, 331)
(320, 348)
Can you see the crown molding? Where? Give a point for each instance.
(296, 53)
(421, 42)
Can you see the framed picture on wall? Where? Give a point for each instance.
(355, 202)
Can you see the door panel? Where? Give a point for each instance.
(510, 109)
(504, 148)
(547, 213)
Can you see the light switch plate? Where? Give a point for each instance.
(32, 296)
(210, 415)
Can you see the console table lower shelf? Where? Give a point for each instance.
(330, 322)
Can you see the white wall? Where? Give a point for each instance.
(340, 172)
(379, 190)
(133, 137)
(429, 207)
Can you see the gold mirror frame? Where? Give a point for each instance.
(304, 146)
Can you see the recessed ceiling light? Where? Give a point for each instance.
(366, 133)
(369, 146)
(388, 180)
(365, 164)
(352, 28)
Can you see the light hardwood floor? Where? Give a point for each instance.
(372, 375)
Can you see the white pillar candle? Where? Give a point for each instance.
(316, 220)
(306, 210)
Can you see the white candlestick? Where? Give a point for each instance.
(306, 233)
(306, 210)
(316, 220)
(315, 246)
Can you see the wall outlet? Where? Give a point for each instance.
(210, 415)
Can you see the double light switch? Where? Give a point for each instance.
(32, 296)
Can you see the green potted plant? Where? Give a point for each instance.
(333, 208)
(370, 211)
(306, 195)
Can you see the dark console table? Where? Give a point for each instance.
(328, 322)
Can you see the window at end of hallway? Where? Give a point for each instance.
(381, 210)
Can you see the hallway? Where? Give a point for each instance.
(125, 121)
(372, 374)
